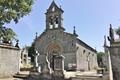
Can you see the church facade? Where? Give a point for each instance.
(54, 40)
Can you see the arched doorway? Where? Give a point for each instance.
(52, 50)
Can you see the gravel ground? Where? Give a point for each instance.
(11, 79)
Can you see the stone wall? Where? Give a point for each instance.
(66, 44)
(65, 40)
(70, 60)
(86, 59)
(56, 40)
(115, 60)
(9, 61)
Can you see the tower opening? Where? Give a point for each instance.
(54, 18)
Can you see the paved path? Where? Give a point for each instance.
(90, 75)
(75, 76)
(11, 79)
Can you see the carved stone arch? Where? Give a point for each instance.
(53, 49)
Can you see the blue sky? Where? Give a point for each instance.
(91, 18)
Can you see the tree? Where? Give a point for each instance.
(118, 31)
(100, 58)
(12, 10)
(1, 33)
(7, 34)
(31, 51)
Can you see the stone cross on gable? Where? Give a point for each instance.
(36, 34)
(74, 32)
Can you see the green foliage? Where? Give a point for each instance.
(100, 58)
(1, 33)
(7, 34)
(118, 32)
(14, 10)
(31, 52)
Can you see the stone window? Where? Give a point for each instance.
(84, 51)
(51, 22)
(24, 60)
(56, 20)
(89, 53)
(72, 43)
(53, 9)
(24, 55)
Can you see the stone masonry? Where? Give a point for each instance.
(9, 61)
(54, 40)
(114, 50)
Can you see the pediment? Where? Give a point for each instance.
(53, 8)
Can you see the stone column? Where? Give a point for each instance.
(58, 67)
(36, 66)
(115, 61)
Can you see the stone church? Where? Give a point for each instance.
(54, 40)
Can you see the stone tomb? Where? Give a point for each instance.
(48, 73)
(55, 73)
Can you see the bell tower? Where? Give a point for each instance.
(54, 17)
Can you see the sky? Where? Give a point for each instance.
(91, 18)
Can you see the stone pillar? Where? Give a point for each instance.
(115, 60)
(58, 67)
(36, 66)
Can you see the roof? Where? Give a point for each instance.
(78, 40)
(86, 45)
(53, 4)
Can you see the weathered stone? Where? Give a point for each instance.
(115, 60)
(9, 61)
(25, 59)
(54, 40)
(114, 50)
(58, 67)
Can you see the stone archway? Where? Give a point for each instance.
(52, 50)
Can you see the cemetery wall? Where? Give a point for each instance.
(9, 61)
